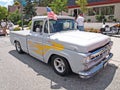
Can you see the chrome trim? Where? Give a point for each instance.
(98, 53)
(95, 69)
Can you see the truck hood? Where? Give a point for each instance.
(80, 41)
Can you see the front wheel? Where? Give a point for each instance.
(60, 65)
(18, 47)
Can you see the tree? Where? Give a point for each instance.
(58, 6)
(21, 2)
(14, 17)
(46, 2)
(16, 3)
(43, 2)
(82, 4)
(3, 13)
(29, 10)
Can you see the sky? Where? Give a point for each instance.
(6, 2)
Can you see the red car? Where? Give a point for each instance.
(1, 32)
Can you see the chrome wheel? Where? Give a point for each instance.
(18, 47)
(59, 65)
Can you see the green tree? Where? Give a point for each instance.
(42, 2)
(3, 12)
(17, 3)
(58, 6)
(14, 17)
(82, 4)
(45, 2)
(29, 10)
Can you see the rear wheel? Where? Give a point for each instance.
(18, 47)
(60, 65)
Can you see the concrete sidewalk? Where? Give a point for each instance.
(116, 50)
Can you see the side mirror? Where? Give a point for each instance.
(37, 29)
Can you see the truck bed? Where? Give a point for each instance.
(20, 36)
(22, 33)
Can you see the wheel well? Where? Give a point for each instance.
(15, 41)
(49, 61)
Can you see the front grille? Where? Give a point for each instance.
(98, 55)
(101, 52)
(98, 48)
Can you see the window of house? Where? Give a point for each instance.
(106, 10)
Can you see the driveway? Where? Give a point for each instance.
(23, 72)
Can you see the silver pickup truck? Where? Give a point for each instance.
(67, 49)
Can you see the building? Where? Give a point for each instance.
(14, 8)
(39, 10)
(109, 8)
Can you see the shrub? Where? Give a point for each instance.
(28, 28)
(92, 30)
(100, 18)
(89, 20)
(115, 20)
(26, 22)
(30, 23)
(19, 23)
(111, 17)
(105, 19)
(17, 29)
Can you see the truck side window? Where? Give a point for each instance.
(46, 27)
(38, 25)
(51, 27)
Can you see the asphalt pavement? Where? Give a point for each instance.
(23, 72)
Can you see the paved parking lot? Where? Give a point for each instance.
(23, 72)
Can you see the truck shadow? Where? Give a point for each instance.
(72, 82)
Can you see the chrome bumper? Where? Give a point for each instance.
(95, 69)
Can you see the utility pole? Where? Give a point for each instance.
(23, 3)
(22, 18)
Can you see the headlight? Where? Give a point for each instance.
(88, 58)
(87, 61)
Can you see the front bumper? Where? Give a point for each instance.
(89, 73)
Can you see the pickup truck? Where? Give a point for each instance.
(60, 44)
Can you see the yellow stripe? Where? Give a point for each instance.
(43, 49)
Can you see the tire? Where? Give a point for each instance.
(18, 47)
(102, 30)
(60, 65)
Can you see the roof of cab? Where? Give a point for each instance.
(45, 17)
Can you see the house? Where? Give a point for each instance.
(97, 7)
(14, 8)
(109, 8)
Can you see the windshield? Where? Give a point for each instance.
(62, 25)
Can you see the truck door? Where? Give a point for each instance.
(35, 40)
(47, 42)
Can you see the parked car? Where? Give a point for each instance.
(1, 32)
